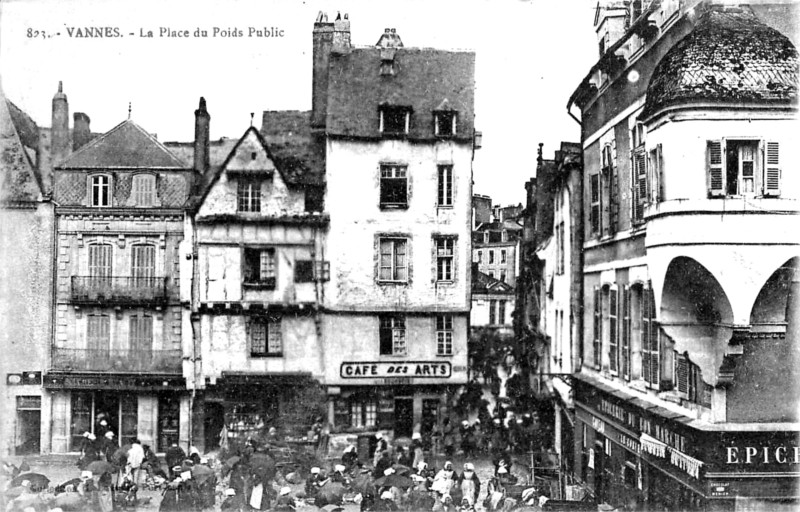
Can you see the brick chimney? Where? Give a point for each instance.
(60, 144)
(81, 133)
(321, 52)
(202, 120)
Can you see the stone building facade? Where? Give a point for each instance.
(116, 348)
(689, 259)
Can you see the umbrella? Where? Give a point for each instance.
(330, 493)
(364, 484)
(120, 456)
(37, 480)
(394, 480)
(100, 467)
(401, 469)
(202, 473)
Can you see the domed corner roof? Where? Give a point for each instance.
(730, 57)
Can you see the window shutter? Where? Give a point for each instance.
(772, 170)
(639, 186)
(682, 374)
(716, 169)
(660, 175)
(646, 367)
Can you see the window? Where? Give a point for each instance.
(655, 175)
(625, 348)
(594, 198)
(444, 335)
(639, 195)
(743, 168)
(480, 256)
(393, 263)
(98, 334)
(248, 196)
(444, 123)
(445, 195)
(394, 120)
(143, 261)
(598, 328)
(503, 275)
(308, 271)
(141, 334)
(101, 190)
(144, 189)
(394, 186)
(265, 337)
(303, 271)
(612, 330)
(560, 247)
(392, 335)
(503, 255)
(491, 256)
(363, 413)
(100, 263)
(492, 312)
(610, 192)
(501, 312)
(650, 340)
(444, 258)
(259, 267)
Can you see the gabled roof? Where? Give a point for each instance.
(507, 224)
(127, 145)
(19, 179)
(486, 284)
(212, 176)
(731, 57)
(423, 79)
(299, 154)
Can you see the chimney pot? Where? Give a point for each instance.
(202, 120)
(394, 31)
(387, 30)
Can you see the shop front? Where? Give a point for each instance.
(633, 453)
(399, 397)
(153, 409)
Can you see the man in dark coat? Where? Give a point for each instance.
(174, 456)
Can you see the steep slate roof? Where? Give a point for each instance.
(729, 57)
(423, 79)
(126, 145)
(19, 179)
(296, 152)
(218, 151)
(486, 284)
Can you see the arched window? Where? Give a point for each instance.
(143, 190)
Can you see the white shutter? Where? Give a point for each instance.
(716, 168)
(772, 170)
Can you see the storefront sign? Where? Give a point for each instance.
(114, 382)
(402, 369)
(762, 454)
(598, 425)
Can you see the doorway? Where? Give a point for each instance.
(403, 417)
(29, 420)
(213, 421)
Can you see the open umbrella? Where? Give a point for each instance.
(99, 467)
(202, 473)
(363, 483)
(37, 480)
(394, 480)
(330, 493)
(400, 469)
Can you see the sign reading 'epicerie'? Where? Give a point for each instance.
(419, 369)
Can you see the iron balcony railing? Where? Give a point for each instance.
(118, 290)
(117, 361)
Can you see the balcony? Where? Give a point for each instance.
(117, 361)
(118, 290)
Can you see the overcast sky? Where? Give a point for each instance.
(530, 56)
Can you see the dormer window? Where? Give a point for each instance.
(395, 120)
(100, 190)
(444, 123)
(144, 189)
